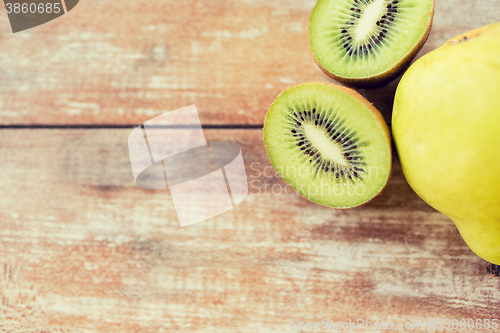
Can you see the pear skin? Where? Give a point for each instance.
(446, 126)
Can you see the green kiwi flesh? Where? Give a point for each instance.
(367, 43)
(329, 144)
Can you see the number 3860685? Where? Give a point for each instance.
(33, 8)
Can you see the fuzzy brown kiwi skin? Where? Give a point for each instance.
(382, 79)
(380, 120)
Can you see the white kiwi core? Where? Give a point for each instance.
(328, 149)
(367, 22)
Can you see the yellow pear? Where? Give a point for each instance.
(446, 126)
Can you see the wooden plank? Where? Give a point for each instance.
(123, 62)
(85, 250)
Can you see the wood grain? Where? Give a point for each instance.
(123, 62)
(85, 250)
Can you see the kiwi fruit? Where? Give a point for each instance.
(329, 144)
(368, 43)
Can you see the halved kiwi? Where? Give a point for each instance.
(368, 43)
(329, 144)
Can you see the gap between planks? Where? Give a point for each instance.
(125, 126)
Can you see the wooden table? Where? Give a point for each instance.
(83, 249)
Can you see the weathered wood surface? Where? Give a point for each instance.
(123, 62)
(85, 250)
